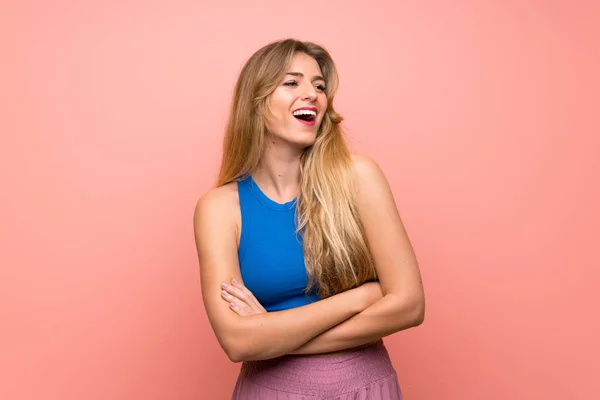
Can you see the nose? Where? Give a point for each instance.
(310, 93)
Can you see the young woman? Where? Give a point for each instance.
(305, 264)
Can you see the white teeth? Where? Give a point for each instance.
(305, 112)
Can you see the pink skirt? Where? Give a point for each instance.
(365, 374)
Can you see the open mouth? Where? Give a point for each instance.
(305, 115)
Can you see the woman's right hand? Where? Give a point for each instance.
(241, 300)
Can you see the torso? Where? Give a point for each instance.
(270, 253)
(236, 213)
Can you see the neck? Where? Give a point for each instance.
(278, 173)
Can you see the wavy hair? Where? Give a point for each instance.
(336, 251)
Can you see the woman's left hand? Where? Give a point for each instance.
(240, 299)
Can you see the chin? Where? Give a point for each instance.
(303, 140)
(299, 139)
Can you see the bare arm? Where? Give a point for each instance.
(403, 303)
(265, 335)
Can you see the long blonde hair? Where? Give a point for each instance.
(336, 251)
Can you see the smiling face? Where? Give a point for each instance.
(298, 104)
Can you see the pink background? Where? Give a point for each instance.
(483, 115)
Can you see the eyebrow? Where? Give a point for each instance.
(315, 78)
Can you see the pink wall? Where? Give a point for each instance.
(483, 114)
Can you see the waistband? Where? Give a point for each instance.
(310, 375)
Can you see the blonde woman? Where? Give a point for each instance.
(305, 264)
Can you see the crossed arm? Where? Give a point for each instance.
(349, 319)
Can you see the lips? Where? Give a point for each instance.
(306, 115)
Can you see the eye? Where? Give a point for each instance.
(291, 83)
(320, 87)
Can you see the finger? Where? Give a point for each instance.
(230, 298)
(236, 305)
(241, 309)
(240, 305)
(245, 296)
(250, 296)
(237, 292)
(242, 293)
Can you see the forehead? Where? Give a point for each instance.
(302, 62)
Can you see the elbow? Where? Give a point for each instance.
(232, 347)
(242, 343)
(411, 311)
(235, 356)
(236, 339)
(418, 313)
(418, 310)
(242, 350)
(236, 352)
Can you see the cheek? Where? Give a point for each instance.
(323, 103)
(273, 116)
(278, 119)
(323, 106)
(278, 110)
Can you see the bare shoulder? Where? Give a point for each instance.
(218, 210)
(370, 178)
(216, 232)
(220, 200)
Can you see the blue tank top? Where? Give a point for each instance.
(270, 252)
